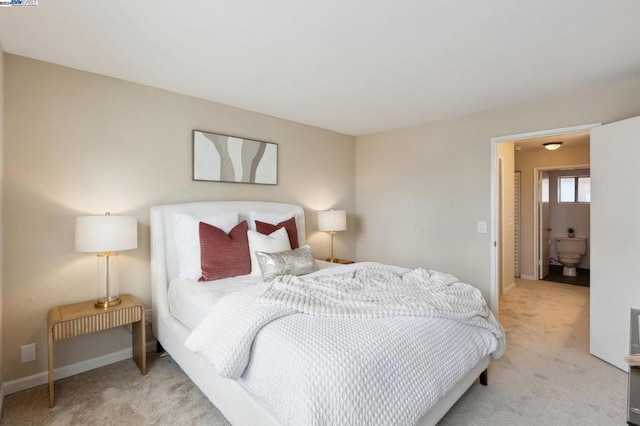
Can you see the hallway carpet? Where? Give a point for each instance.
(546, 377)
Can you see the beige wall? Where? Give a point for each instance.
(507, 260)
(78, 143)
(1, 212)
(526, 161)
(421, 190)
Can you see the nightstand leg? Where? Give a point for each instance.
(50, 360)
(140, 345)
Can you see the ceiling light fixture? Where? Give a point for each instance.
(552, 146)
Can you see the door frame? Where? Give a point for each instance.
(537, 222)
(536, 211)
(495, 234)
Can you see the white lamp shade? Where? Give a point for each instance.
(101, 234)
(332, 220)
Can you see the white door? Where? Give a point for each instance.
(544, 232)
(615, 237)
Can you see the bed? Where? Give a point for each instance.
(173, 321)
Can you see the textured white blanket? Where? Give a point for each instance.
(350, 367)
(379, 291)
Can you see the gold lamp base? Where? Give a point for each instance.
(107, 303)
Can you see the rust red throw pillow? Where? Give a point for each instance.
(289, 225)
(224, 255)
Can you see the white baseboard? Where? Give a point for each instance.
(509, 287)
(28, 382)
(527, 277)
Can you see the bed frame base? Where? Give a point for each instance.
(445, 403)
(484, 379)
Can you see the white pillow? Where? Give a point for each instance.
(268, 217)
(186, 230)
(275, 242)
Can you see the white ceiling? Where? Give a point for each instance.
(353, 66)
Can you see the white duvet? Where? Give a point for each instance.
(377, 354)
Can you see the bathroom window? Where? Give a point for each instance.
(574, 189)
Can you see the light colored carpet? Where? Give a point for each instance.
(546, 377)
(116, 395)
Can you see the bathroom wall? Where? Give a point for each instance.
(563, 216)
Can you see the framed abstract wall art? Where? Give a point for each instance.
(224, 158)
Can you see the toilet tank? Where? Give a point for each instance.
(571, 245)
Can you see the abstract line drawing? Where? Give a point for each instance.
(224, 158)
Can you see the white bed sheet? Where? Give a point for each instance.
(190, 301)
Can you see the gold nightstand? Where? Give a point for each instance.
(64, 322)
(340, 261)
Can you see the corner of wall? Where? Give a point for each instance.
(1, 218)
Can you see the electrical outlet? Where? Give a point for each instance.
(28, 353)
(147, 316)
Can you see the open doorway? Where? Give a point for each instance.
(502, 229)
(613, 287)
(561, 225)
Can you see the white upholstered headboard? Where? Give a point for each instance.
(164, 263)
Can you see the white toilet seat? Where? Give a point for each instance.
(570, 252)
(569, 256)
(569, 262)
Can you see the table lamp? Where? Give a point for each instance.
(332, 221)
(105, 235)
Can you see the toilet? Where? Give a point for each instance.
(570, 252)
